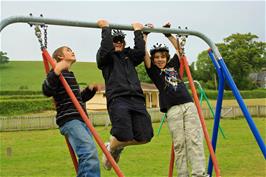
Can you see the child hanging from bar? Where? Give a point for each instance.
(175, 101)
(68, 118)
(131, 123)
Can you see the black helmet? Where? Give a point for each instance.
(118, 35)
(159, 48)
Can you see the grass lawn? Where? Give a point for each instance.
(29, 75)
(44, 153)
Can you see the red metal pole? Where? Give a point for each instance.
(204, 128)
(172, 160)
(84, 116)
(72, 154)
(172, 157)
(181, 68)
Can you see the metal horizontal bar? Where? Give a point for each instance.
(49, 21)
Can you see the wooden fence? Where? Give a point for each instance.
(101, 118)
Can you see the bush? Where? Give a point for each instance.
(246, 94)
(22, 106)
(20, 92)
(20, 97)
(21, 102)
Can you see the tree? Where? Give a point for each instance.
(3, 58)
(143, 76)
(242, 55)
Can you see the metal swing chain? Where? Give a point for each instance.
(38, 34)
(182, 39)
(45, 35)
(182, 42)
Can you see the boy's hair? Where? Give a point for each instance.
(163, 52)
(162, 48)
(58, 52)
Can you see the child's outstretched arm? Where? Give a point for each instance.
(173, 40)
(90, 91)
(138, 52)
(106, 44)
(52, 81)
(147, 58)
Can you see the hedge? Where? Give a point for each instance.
(212, 94)
(19, 92)
(14, 107)
(21, 102)
(20, 97)
(246, 94)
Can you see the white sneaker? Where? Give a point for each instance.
(106, 164)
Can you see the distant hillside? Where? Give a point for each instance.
(29, 75)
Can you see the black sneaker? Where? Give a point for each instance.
(116, 154)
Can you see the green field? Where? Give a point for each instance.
(21, 81)
(29, 75)
(44, 153)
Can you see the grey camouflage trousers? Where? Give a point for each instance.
(187, 136)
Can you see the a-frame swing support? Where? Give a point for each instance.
(218, 58)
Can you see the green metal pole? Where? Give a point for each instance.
(161, 124)
(211, 109)
(203, 95)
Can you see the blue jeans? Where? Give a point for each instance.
(80, 138)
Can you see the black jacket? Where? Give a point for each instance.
(66, 110)
(118, 68)
(172, 90)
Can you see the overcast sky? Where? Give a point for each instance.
(216, 19)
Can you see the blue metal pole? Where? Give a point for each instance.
(217, 110)
(243, 107)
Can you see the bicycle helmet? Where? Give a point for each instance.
(159, 48)
(118, 35)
